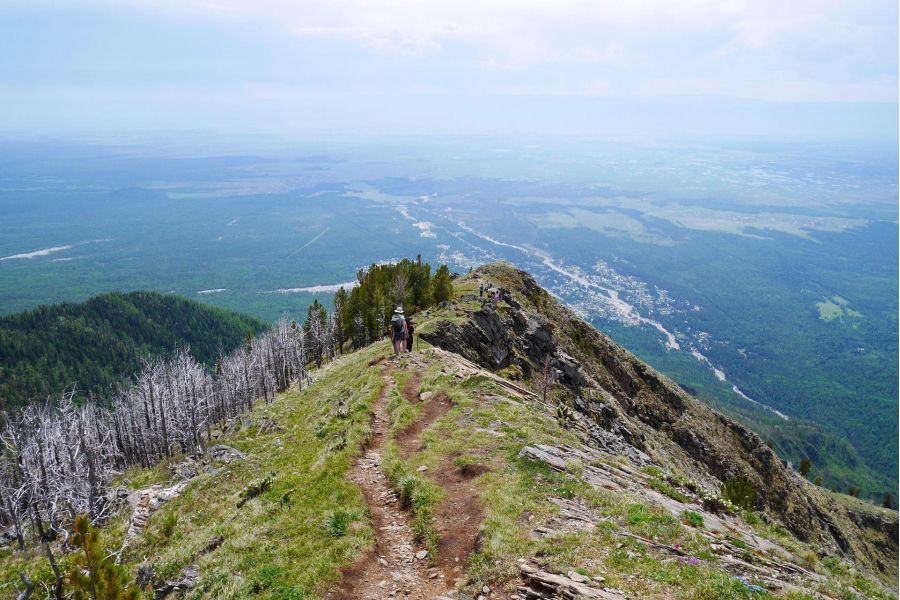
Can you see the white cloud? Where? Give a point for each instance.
(834, 49)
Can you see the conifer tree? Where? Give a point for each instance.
(93, 576)
(443, 289)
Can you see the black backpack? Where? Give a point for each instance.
(397, 324)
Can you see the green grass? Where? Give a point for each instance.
(667, 489)
(829, 310)
(338, 521)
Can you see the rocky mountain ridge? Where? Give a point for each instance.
(630, 409)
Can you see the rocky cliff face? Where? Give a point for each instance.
(634, 411)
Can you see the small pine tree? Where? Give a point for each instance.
(93, 576)
(818, 480)
(442, 288)
(805, 466)
(888, 501)
(740, 491)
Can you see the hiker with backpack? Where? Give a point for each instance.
(399, 331)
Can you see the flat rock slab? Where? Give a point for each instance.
(542, 584)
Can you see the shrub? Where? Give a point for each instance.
(805, 466)
(714, 502)
(564, 415)
(170, 521)
(740, 491)
(337, 522)
(691, 518)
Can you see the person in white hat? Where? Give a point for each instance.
(399, 331)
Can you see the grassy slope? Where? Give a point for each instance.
(271, 548)
(280, 550)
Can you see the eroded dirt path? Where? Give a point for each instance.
(391, 568)
(459, 516)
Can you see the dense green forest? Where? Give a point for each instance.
(97, 343)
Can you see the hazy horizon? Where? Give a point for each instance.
(303, 70)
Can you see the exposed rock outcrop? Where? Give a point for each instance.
(146, 502)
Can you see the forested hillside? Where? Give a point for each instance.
(96, 343)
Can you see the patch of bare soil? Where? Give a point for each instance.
(391, 568)
(458, 517)
(412, 385)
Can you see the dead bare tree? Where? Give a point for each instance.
(544, 378)
(401, 282)
(25, 594)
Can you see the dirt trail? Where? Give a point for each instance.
(459, 516)
(412, 385)
(391, 569)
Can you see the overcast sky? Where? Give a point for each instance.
(772, 67)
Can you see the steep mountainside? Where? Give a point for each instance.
(96, 343)
(631, 408)
(450, 473)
